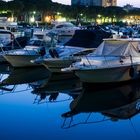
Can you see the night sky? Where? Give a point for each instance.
(135, 3)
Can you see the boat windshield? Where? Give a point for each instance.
(37, 43)
(39, 36)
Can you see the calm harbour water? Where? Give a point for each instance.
(37, 105)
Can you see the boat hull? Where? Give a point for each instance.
(55, 65)
(108, 75)
(2, 59)
(21, 60)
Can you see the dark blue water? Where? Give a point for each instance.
(35, 104)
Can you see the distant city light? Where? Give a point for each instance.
(32, 19)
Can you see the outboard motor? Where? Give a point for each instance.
(53, 53)
(42, 51)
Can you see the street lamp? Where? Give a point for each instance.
(58, 13)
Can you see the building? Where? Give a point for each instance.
(107, 3)
(104, 3)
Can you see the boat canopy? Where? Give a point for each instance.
(118, 48)
(88, 38)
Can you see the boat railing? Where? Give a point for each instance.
(49, 99)
(70, 122)
(107, 61)
(10, 89)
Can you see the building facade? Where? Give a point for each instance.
(104, 3)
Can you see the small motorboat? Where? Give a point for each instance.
(114, 61)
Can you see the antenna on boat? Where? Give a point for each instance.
(52, 51)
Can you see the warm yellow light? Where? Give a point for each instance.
(11, 19)
(47, 18)
(99, 16)
(58, 13)
(61, 19)
(99, 21)
(110, 20)
(32, 19)
(124, 20)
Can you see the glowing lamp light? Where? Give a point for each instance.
(99, 16)
(62, 19)
(58, 13)
(47, 18)
(10, 19)
(32, 19)
(99, 21)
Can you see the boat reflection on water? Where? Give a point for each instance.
(49, 90)
(5, 68)
(25, 75)
(14, 77)
(116, 103)
(40, 81)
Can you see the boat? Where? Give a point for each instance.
(110, 103)
(114, 61)
(22, 57)
(68, 56)
(8, 42)
(64, 28)
(82, 43)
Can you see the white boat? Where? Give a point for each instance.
(64, 28)
(114, 61)
(41, 35)
(82, 43)
(22, 57)
(65, 58)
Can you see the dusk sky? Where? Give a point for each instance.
(135, 3)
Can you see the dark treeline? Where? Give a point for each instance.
(47, 7)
